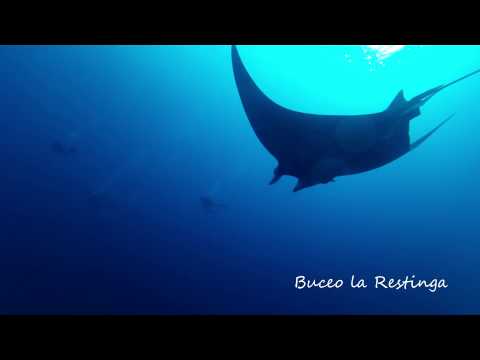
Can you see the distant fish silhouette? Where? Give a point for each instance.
(316, 149)
(59, 148)
(210, 205)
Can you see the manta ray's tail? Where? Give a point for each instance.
(427, 95)
(424, 138)
(462, 78)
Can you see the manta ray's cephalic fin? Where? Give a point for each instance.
(424, 138)
(277, 175)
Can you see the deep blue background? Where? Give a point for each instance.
(158, 127)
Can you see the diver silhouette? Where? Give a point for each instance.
(210, 205)
(59, 148)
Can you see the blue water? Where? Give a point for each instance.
(117, 228)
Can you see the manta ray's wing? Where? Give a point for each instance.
(295, 139)
(389, 150)
(280, 130)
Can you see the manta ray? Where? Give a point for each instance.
(316, 149)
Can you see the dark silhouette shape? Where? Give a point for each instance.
(59, 148)
(318, 148)
(100, 201)
(210, 205)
